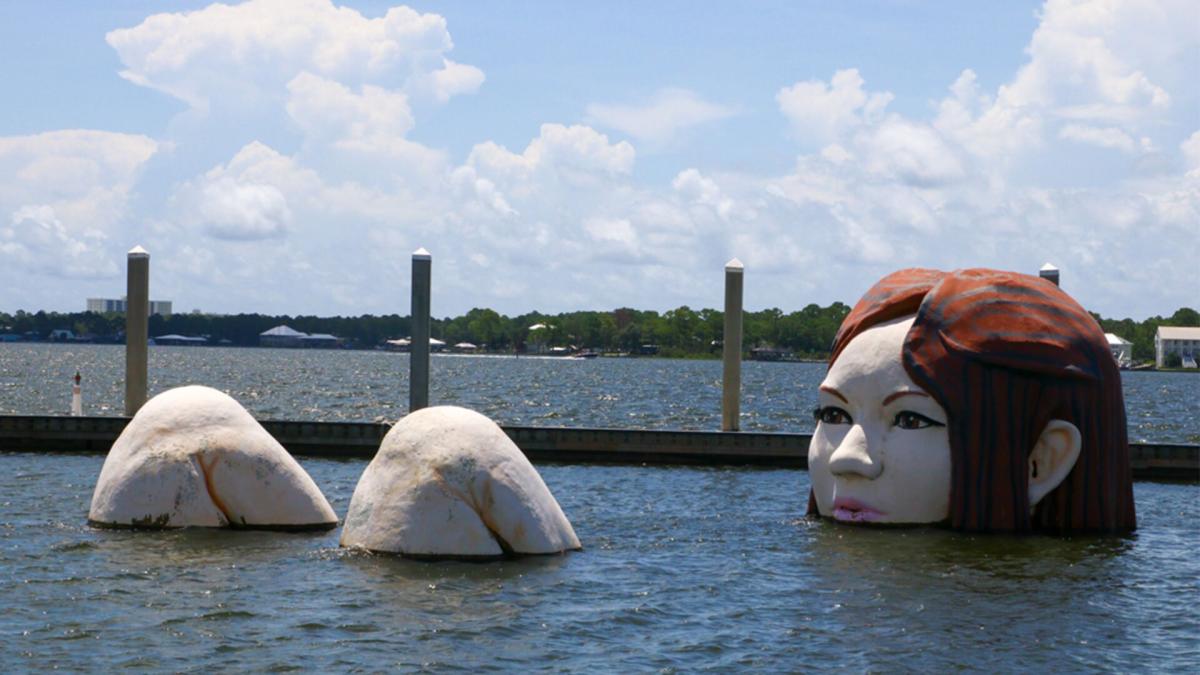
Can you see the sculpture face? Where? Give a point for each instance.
(881, 452)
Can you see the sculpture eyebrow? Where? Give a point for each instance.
(835, 392)
(898, 394)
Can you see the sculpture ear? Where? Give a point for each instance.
(1053, 457)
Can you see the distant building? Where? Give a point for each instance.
(1122, 349)
(281, 336)
(1184, 341)
(105, 305)
(320, 341)
(286, 336)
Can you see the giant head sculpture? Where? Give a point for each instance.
(980, 399)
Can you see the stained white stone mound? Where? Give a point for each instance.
(447, 482)
(193, 457)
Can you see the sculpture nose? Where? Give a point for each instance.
(853, 456)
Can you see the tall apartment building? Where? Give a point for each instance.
(102, 305)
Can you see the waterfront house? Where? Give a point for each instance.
(281, 336)
(1181, 340)
(1122, 349)
(320, 341)
(405, 344)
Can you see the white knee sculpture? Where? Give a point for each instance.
(194, 457)
(448, 483)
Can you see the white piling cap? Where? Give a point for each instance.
(1048, 268)
(138, 252)
(421, 254)
(734, 265)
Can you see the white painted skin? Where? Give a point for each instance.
(194, 457)
(881, 455)
(447, 482)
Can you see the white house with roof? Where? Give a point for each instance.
(1122, 349)
(281, 336)
(1181, 340)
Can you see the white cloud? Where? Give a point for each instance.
(242, 200)
(670, 113)
(453, 79)
(1079, 63)
(326, 108)
(252, 50)
(37, 241)
(698, 189)
(576, 154)
(823, 113)
(63, 197)
(1191, 152)
(321, 212)
(910, 153)
(1104, 137)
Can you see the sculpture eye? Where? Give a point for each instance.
(831, 415)
(907, 419)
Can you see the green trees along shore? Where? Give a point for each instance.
(680, 332)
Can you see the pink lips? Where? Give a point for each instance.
(850, 510)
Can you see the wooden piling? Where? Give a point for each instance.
(1049, 273)
(137, 328)
(418, 377)
(731, 374)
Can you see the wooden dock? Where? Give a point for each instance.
(360, 440)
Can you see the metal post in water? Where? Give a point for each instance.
(137, 328)
(731, 378)
(1049, 273)
(418, 377)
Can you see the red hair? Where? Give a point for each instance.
(1005, 353)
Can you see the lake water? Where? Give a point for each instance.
(35, 379)
(684, 568)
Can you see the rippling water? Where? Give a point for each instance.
(683, 568)
(361, 385)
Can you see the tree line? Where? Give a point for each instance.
(680, 332)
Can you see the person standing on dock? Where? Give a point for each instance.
(77, 397)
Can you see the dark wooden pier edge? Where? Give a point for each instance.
(360, 440)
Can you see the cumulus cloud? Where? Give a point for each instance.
(322, 106)
(670, 113)
(63, 194)
(822, 113)
(962, 188)
(37, 241)
(252, 50)
(576, 153)
(243, 199)
(324, 220)
(1191, 152)
(1104, 137)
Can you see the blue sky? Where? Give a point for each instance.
(288, 156)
